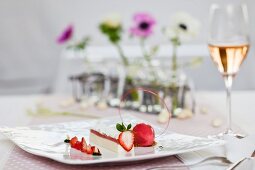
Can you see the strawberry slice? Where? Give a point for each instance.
(73, 141)
(84, 145)
(93, 148)
(126, 140)
(89, 150)
(78, 145)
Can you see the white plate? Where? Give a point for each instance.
(47, 141)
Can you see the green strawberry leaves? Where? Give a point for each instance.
(129, 126)
(121, 127)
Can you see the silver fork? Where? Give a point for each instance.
(223, 160)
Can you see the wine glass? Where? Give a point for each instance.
(228, 43)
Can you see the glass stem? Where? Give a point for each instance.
(228, 84)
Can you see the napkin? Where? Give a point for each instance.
(237, 149)
(234, 150)
(248, 164)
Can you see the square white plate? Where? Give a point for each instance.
(47, 141)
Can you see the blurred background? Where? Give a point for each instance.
(32, 62)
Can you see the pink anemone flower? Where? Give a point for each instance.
(66, 35)
(143, 25)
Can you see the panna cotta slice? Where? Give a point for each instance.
(108, 139)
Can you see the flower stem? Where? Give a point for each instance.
(174, 67)
(174, 60)
(148, 60)
(121, 53)
(146, 56)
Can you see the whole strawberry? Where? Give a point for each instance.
(144, 135)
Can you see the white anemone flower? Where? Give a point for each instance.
(184, 26)
(112, 20)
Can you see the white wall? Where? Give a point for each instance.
(29, 55)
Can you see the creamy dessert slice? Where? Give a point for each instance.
(108, 138)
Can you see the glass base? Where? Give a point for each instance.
(228, 132)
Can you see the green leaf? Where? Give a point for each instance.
(129, 126)
(175, 41)
(119, 127)
(124, 127)
(154, 50)
(80, 45)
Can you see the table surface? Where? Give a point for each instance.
(13, 112)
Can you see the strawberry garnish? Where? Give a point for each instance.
(83, 140)
(73, 141)
(93, 148)
(126, 137)
(78, 145)
(89, 149)
(83, 145)
(126, 140)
